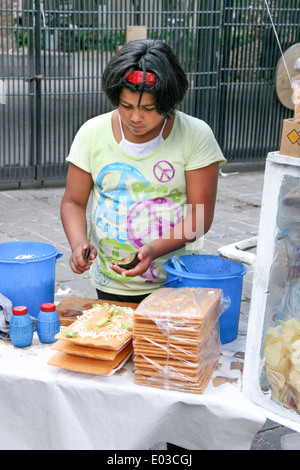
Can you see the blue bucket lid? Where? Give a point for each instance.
(26, 252)
(206, 267)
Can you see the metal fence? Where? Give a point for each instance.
(53, 53)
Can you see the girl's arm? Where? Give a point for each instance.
(73, 216)
(201, 187)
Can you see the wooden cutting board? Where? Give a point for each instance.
(72, 307)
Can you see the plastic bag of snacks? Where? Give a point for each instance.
(296, 99)
(176, 338)
(281, 353)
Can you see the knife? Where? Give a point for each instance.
(87, 251)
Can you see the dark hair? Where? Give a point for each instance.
(148, 56)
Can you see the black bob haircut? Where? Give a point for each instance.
(152, 56)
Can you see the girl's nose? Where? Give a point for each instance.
(136, 115)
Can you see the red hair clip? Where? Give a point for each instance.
(137, 77)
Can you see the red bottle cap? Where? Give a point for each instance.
(21, 310)
(48, 307)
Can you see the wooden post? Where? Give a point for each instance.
(132, 33)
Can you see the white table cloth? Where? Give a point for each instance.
(46, 408)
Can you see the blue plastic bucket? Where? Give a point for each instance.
(27, 273)
(217, 272)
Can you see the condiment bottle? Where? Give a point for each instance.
(21, 327)
(47, 324)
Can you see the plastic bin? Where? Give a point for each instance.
(212, 271)
(27, 273)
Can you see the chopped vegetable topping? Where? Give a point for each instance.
(116, 324)
(69, 334)
(103, 321)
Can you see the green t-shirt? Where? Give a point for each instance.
(136, 200)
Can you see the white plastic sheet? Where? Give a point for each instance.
(44, 407)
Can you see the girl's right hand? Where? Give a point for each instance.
(145, 256)
(77, 262)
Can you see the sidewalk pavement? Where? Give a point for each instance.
(32, 212)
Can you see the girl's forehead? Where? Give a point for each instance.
(134, 97)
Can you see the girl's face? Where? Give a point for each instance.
(141, 123)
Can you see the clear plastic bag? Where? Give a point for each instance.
(281, 342)
(281, 353)
(5, 316)
(176, 338)
(296, 99)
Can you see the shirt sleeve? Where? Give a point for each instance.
(203, 148)
(80, 150)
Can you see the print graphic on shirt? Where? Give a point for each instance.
(143, 191)
(161, 213)
(100, 277)
(115, 181)
(149, 275)
(163, 171)
(111, 250)
(131, 212)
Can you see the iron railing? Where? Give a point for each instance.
(53, 54)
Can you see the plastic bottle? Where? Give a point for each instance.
(21, 327)
(47, 324)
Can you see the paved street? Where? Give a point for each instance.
(33, 213)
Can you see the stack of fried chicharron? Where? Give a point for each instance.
(98, 342)
(176, 338)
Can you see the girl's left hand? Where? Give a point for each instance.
(145, 255)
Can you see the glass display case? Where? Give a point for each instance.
(272, 360)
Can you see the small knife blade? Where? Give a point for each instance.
(87, 251)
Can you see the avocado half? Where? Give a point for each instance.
(129, 262)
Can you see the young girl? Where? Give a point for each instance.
(152, 171)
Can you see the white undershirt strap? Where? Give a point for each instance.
(143, 149)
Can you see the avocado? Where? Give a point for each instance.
(127, 326)
(113, 311)
(129, 262)
(103, 321)
(69, 334)
(105, 305)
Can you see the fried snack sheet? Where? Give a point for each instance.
(84, 351)
(104, 326)
(281, 355)
(167, 383)
(176, 338)
(88, 365)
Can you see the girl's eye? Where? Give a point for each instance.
(128, 106)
